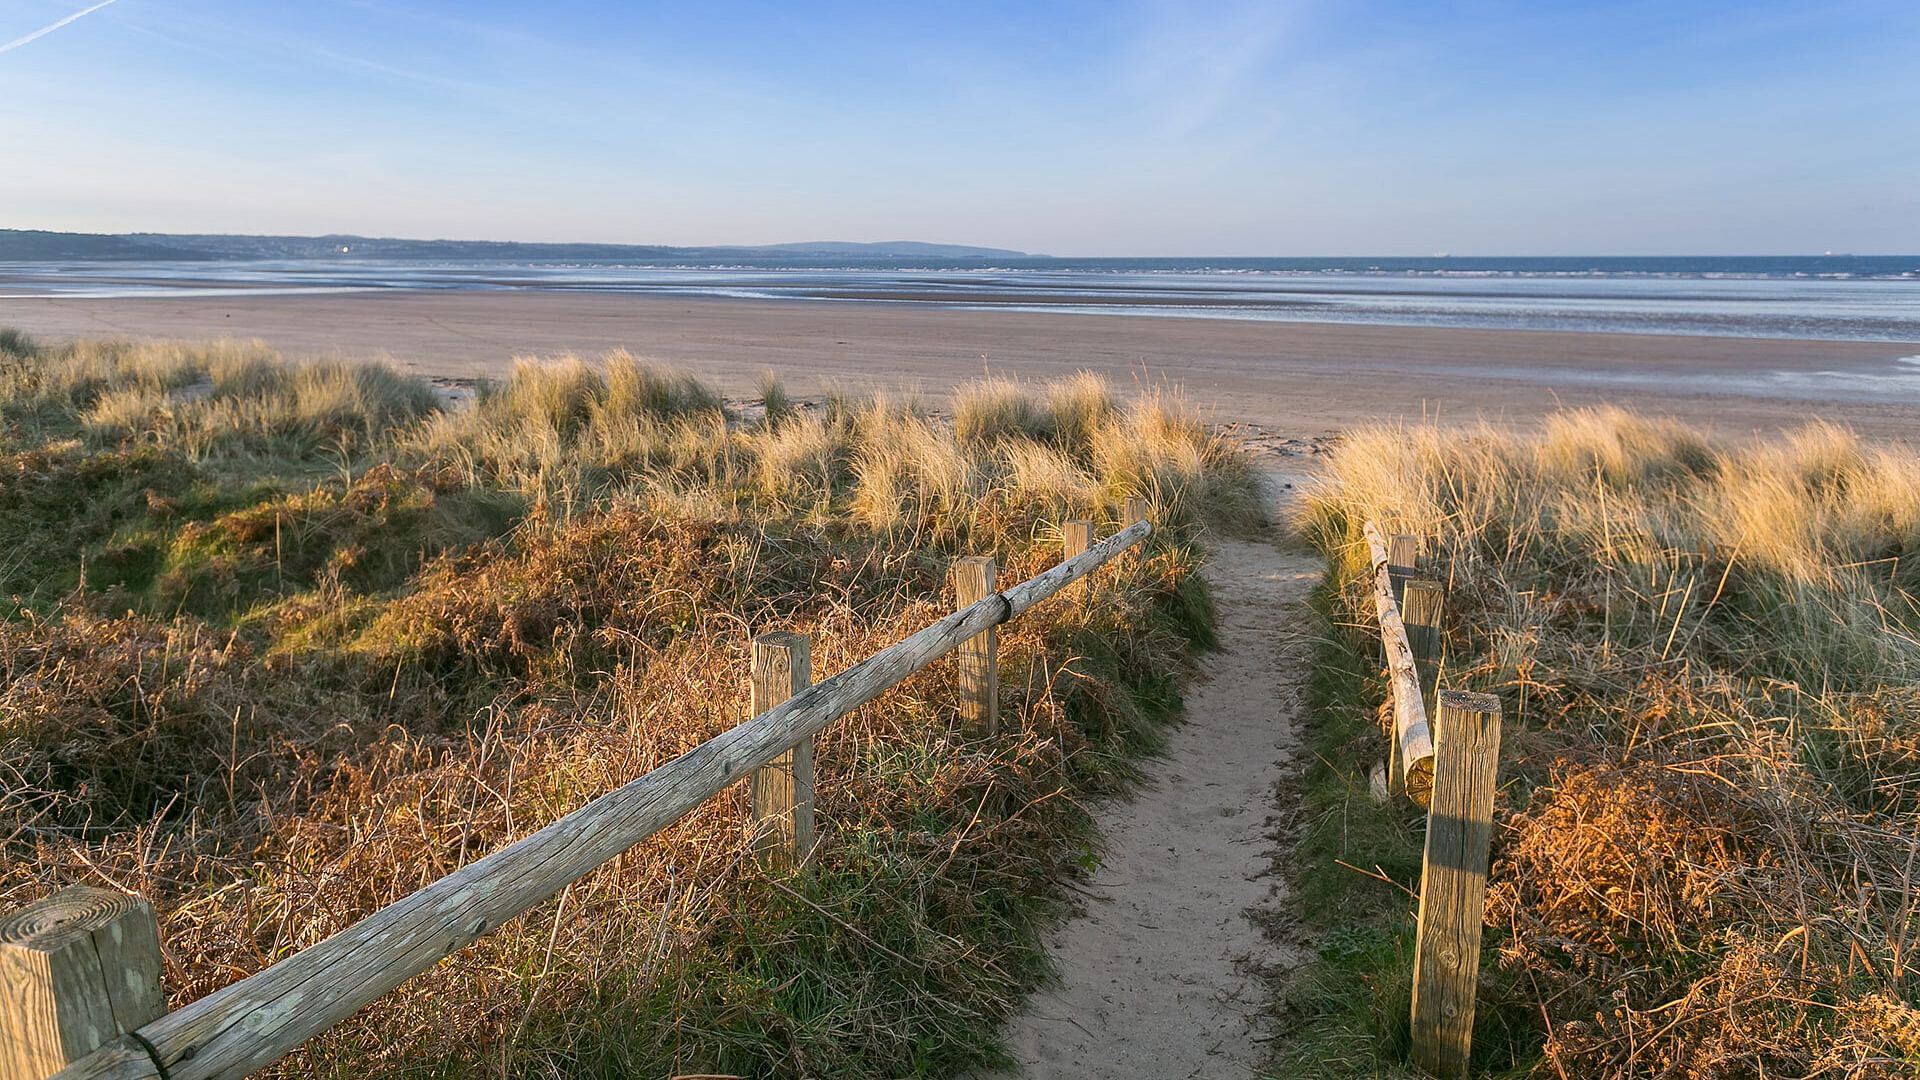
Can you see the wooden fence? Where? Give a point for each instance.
(80, 993)
(1448, 765)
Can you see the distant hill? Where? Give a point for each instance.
(886, 248)
(36, 245)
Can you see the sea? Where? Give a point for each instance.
(1823, 297)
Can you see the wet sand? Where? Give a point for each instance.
(1298, 380)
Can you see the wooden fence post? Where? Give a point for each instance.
(1403, 558)
(77, 970)
(782, 788)
(1453, 881)
(1076, 537)
(250, 1024)
(1420, 609)
(1135, 510)
(973, 581)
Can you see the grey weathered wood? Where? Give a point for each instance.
(1453, 882)
(259, 1019)
(1044, 584)
(782, 789)
(1421, 604)
(1413, 739)
(973, 580)
(1403, 556)
(77, 970)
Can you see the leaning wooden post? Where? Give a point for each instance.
(973, 581)
(1420, 607)
(1453, 881)
(782, 788)
(1403, 558)
(77, 970)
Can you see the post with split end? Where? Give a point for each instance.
(1453, 882)
(77, 970)
(973, 581)
(782, 788)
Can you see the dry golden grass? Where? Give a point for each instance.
(330, 642)
(1080, 405)
(225, 398)
(996, 408)
(1710, 819)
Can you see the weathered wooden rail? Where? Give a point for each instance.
(1449, 766)
(1412, 766)
(79, 971)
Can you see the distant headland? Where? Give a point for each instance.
(36, 244)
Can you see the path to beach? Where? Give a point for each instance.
(1159, 975)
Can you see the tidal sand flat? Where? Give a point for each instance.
(1298, 380)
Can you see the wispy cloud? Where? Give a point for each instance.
(51, 27)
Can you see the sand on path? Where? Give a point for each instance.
(1159, 975)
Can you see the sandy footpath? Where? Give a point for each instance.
(1295, 379)
(1159, 976)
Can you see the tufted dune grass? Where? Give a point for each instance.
(288, 641)
(1709, 818)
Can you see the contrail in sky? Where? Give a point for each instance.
(45, 30)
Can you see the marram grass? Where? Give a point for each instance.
(1709, 816)
(290, 641)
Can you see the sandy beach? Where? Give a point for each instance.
(1293, 380)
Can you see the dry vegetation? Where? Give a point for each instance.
(1709, 827)
(288, 642)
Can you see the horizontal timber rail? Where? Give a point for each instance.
(1412, 737)
(260, 1019)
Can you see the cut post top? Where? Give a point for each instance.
(774, 647)
(78, 969)
(1458, 701)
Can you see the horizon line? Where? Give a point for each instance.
(1013, 252)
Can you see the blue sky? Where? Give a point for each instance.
(1114, 127)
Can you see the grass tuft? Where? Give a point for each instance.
(774, 400)
(1706, 651)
